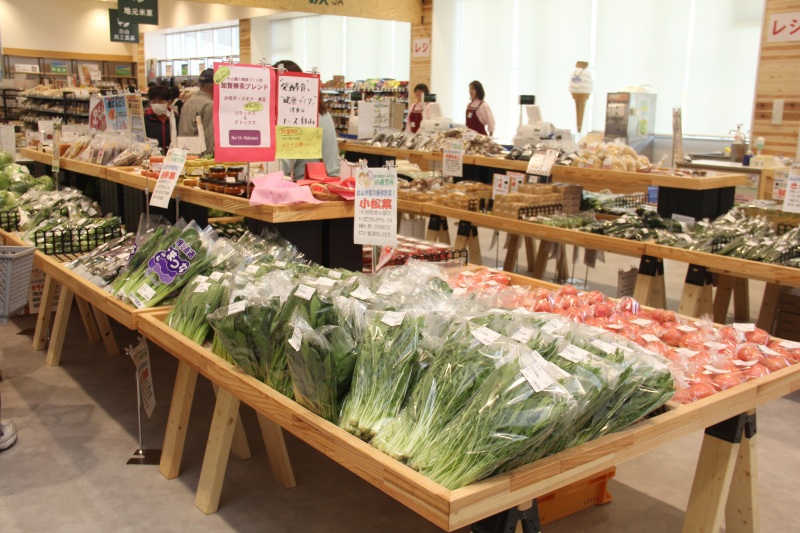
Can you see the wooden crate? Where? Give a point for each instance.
(576, 497)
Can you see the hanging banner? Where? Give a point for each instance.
(298, 99)
(139, 11)
(244, 126)
(122, 31)
(375, 217)
(135, 110)
(116, 113)
(298, 143)
(372, 118)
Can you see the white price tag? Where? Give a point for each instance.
(642, 322)
(296, 339)
(744, 327)
(237, 307)
(650, 337)
(335, 274)
(715, 345)
(393, 318)
(714, 370)
(574, 354)
(553, 326)
(252, 269)
(739, 362)
(460, 291)
(538, 377)
(523, 335)
(200, 279)
(686, 329)
(305, 292)
(362, 293)
(615, 326)
(485, 335)
(136, 301)
(384, 290)
(216, 276)
(202, 287)
(767, 350)
(146, 292)
(790, 345)
(326, 282)
(280, 264)
(604, 346)
(685, 352)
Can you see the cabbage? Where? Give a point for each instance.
(20, 182)
(8, 199)
(5, 159)
(14, 168)
(44, 183)
(4, 182)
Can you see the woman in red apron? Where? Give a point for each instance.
(479, 115)
(419, 111)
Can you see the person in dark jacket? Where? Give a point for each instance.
(158, 116)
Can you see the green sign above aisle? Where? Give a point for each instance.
(121, 31)
(139, 11)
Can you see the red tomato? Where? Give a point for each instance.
(568, 290)
(755, 371)
(601, 309)
(693, 340)
(595, 321)
(595, 297)
(750, 352)
(757, 336)
(657, 347)
(628, 304)
(575, 314)
(543, 306)
(662, 315)
(570, 300)
(673, 336)
(792, 356)
(774, 363)
(731, 334)
(698, 391)
(724, 381)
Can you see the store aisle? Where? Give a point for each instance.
(77, 428)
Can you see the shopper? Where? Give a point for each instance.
(159, 119)
(330, 148)
(201, 104)
(8, 432)
(420, 110)
(479, 114)
(177, 103)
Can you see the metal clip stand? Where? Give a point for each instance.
(142, 456)
(506, 522)
(56, 151)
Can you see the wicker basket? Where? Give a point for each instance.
(16, 263)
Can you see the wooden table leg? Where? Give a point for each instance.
(696, 299)
(711, 484)
(218, 449)
(650, 288)
(722, 299)
(769, 307)
(60, 326)
(741, 511)
(88, 319)
(530, 252)
(239, 447)
(277, 453)
(741, 299)
(511, 252)
(438, 230)
(542, 255)
(106, 333)
(562, 269)
(178, 421)
(45, 312)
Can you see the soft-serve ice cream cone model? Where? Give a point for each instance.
(580, 86)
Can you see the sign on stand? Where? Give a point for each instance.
(372, 118)
(135, 109)
(791, 202)
(297, 134)
(244, 99)
(116, 113)
(168, 177)
(453, 159)
(626, 282)
(375, 219)
(141, 358)
(500, 185)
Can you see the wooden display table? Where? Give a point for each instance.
(720, 476)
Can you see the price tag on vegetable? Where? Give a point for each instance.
(790, 345)
(648, 337)
(393, 318)
(280, 264)
(767, 350)
(252, 269)
(686, 352)
(362, 293)
(485, 335)
(237, 307)
(744, 328)
(325, 282)
(200, 279)
(168, 177)
(607, 347)
(305, 292)
(553, 326)
(335, 274)
(574, 354)
(686, 329)
(202, 287)
(715, 345)
(523, 335)
(642, 322)
(216, 276)
(296, 340)
(537, 377)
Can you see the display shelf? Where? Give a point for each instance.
(456, 509)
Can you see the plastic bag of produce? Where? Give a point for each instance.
(199, 298)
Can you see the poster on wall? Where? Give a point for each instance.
(121, 31)
(139, 11)
(244, 126)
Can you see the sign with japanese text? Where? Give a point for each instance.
(139, 11)
(784, 27)
(298, 99)
(515, 179)
(500, 184)
(791, 201)
(122, 31)
(421, 47)
(244, 127)
(97, 114)
(453, 159)
(144, 375)
(116, 113)
(168, 177)
(135, 110)
(292, 142)
(372, 118)
(375, 218)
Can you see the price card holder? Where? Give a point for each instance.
(168, 177)
(542, 162)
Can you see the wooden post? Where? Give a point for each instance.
(178, 421)
(218, 449)
(512, 250)
(239, 447)
(59, 327)
(88, 319)
(711, 484)
(45, 312)
(277, 453)
(650, 288)
(741, 299)
(722, 299)
(542, 255)
(741, 511)
(530, 252)
(438, 230)
(769, 307)
(106, 333)
(696, 299)
(728, 286)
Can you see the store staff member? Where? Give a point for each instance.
(330, 148)
(158, 119)
(420, 110)
(479, 115)
(201, 104)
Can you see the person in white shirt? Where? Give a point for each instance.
(479, 114)
(420, 110)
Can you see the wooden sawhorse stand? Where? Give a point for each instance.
(513, 243)
(467, 239)
(225, 436)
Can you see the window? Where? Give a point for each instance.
(189, 52)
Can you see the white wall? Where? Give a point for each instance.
(173, 14)
(64, 25)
